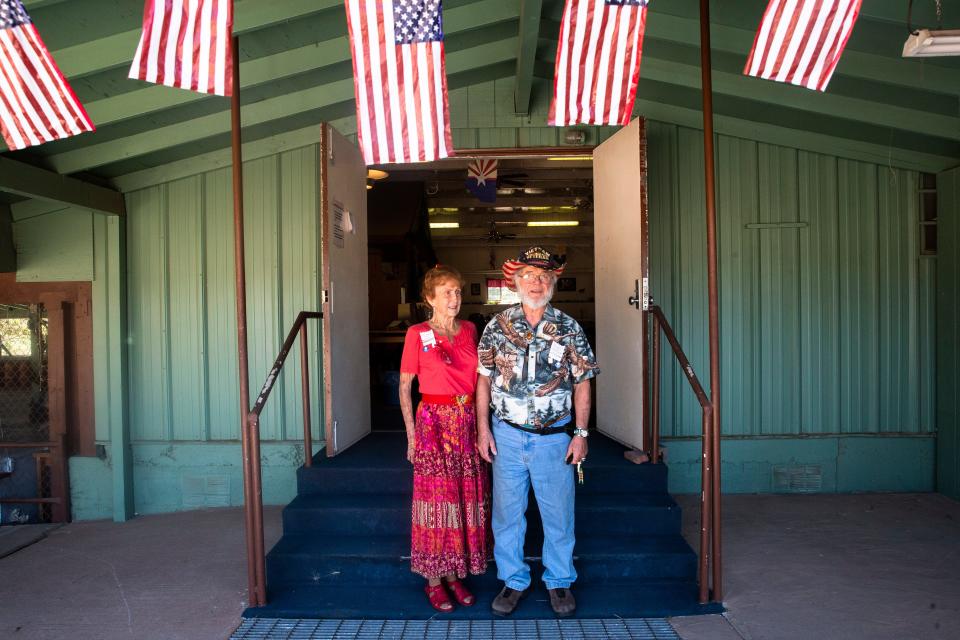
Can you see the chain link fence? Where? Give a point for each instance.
(25, 472)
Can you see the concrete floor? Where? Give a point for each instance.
(824, 567)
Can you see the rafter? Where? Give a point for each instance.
(117, 50)
(529, 33)
(312, 99)
(34, 182)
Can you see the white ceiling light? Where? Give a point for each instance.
(554, 223)
(444, 225)
(926, 43)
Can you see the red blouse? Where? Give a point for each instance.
(459, 377)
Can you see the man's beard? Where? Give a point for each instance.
(537, 304)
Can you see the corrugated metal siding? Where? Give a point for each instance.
(825, 304)
(183, 367)
(948, 333)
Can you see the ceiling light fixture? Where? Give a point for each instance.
(376, 174)
(927, 44)
(570, 158)
(554, 223)
(444, 225)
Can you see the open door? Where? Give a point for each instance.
(621, 272)
(343, 241)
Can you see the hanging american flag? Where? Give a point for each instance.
(482, 179)
(800, 41)
(186, 44)
(598, 62)
(36, 103)
(399, 80)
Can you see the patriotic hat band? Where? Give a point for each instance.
(533, 257)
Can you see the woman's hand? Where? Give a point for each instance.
(411, 452)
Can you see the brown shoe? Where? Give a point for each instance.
(507, 600)
(562, 602)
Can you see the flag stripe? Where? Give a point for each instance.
(37, 104)
(186, 44)
(800, 42)
(598, 62)
(399, 80)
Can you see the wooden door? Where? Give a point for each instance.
(621, 272)
(343, 217)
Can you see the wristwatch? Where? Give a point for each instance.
(580, 431)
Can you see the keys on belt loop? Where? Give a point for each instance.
(580, 472)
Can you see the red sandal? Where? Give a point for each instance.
(438, 598)
(461, 593)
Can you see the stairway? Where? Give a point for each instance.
(346, 543)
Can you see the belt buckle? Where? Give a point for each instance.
(461, 400)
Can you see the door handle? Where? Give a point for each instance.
(634, 300)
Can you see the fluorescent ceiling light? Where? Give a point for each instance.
(553, 223)
(925, 43)
(444, 225)
(569, 158)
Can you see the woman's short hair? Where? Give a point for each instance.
(437, 276)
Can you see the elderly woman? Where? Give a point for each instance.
(451, 493)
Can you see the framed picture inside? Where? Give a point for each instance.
(474, 288)
(566, 284)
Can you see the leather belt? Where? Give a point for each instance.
(544, 430)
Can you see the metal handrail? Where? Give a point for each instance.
(256, 556)
(706, 495)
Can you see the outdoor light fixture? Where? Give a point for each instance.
(926, 43)
(444, 225)
(554, 223)
(376, 174)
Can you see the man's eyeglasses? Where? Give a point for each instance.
(534, 277)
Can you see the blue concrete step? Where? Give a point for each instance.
(387, 514)
(377, 465)
(353, 560)
(653, 598)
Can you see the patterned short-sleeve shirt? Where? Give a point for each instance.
(533, 369)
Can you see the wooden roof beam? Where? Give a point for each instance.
(34, 182)
(287, 105)
(529, 33)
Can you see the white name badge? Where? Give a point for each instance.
(556, 352)
(428, 338)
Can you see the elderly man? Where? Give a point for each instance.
(535, 366)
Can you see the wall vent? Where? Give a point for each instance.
(205, 491)
(797, 478)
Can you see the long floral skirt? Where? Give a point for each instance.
(450, 531)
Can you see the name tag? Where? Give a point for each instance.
(428, 338)
(557, 351)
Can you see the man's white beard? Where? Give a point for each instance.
(537, 304)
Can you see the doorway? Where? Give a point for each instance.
(421, 215)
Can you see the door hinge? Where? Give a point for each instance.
(324, 296)
(645, 300)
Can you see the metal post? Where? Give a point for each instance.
(712, 289)
(645, 377)
(305, 387)
(241, 300)
(655, 394)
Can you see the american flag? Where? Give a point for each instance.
(186, 44)
(399, 80)
(36, 103)
(598, 62)
(800, 41)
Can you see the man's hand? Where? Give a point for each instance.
(486, 445)
(577, 451)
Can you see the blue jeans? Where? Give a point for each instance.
(525, 458)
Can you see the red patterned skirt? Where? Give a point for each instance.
(450, 531)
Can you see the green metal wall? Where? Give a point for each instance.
(826, 316)
(948, 336)
(182, 322)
